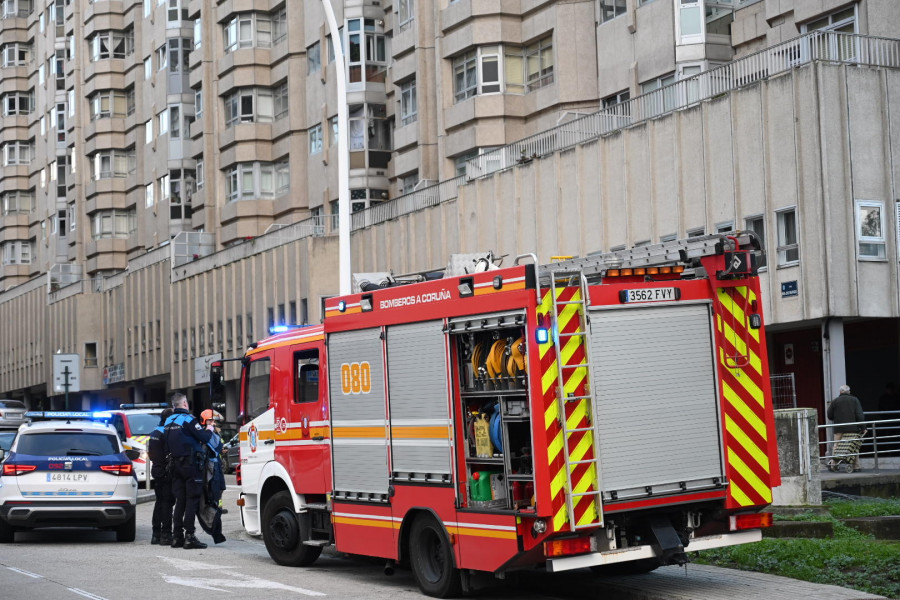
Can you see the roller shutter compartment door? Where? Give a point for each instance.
(655, 388)
(358, 420)
(418, 391)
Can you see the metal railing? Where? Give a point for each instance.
(828, 46)
(784, 391)
(408, 203)
(881, 440)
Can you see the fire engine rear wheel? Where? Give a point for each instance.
(284, 531)
(432, 559)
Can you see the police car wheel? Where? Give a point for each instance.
(7, 533)
(284, 531)
(126, 531)
(432, 559)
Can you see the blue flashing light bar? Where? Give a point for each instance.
(284, 328)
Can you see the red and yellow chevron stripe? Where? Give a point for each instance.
(579, 445)
(746, 401)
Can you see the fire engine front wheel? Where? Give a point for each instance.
(284, 531)
(432, 559)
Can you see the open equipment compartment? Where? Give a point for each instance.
(494, 407)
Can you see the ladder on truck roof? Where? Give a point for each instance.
(675, 251)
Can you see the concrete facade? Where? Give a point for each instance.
(142, 313)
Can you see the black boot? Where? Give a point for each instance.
(165, 539)
(178, 540)
(192, 543)
(154, 539)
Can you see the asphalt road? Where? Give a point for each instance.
(71, 564)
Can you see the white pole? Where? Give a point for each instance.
(343, 156)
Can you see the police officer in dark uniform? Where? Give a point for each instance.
(162, 484)
(186, 440)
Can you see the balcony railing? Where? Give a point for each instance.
(828, 46)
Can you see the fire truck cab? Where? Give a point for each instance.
(608, 411)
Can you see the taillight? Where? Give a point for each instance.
(17, 469)
(750, 521)
(123, 469)
(565, 547)
(237, 473)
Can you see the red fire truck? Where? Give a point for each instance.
(610, 412)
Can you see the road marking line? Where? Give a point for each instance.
(224, 577)
(86, 594)
(34, 575)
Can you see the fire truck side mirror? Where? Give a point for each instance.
(217, 382)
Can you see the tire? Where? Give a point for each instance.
(632, 567)
(847, 467)
(126, 531)
(7, 533)
(226, 465)
(432, 559)
(284, 531)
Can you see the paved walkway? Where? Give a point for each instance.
(702, 582)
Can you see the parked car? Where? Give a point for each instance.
(6, 439)
(12, 413)
(66, 470)
(231, 454)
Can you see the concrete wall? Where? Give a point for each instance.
(798, 456)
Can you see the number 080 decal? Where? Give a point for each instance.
(356, 378)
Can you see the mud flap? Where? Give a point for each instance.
(667, 543)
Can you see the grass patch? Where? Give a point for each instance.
(851, 559)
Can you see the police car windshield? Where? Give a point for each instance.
(142, 423)
(68, 443)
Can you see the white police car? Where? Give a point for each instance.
(66, 470)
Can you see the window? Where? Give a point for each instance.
(724, 227)
(315, 139)
(409, 107)
(149, 195)
(17, 253)
(174, 122)
(313, 59)
(367, 51)
(113, 223)
(788, 246)
(696, 232)
(249, 105)
(306, 376)
(162, 119)
(18, 153)
(870, 229)
(111, 104)
(503, 69)
(109, 164)
(111, 44)
(662, 102)
(408, 182)
(162, 57)
(250, 181)
(17, 103)
(246, 31)
(198, 33)
(148, 69)
(757, 224)
(539, 64)
(177, 11)
(179, 49)
(610, 9)
(256, 384)
(279, 26)
(280, 94)
(18, 8)
(834, 47)
(198, 103)
(17, 202)
(406, 14)
(200, 170)
(16, 54)
(148, 131)
(619, 98)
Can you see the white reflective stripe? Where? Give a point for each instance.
(364, 516)
(481, 526)
(432, 443)
(420, 422)
(280, 443)
(358, 441)
(361, 423)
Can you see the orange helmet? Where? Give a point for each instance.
(210, 415)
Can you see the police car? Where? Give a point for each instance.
(67, 469)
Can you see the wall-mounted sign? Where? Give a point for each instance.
(201, 367)
(66, 372)
(114, 373)
(789, 289)
(788, 354)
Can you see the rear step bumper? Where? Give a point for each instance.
(638, 552)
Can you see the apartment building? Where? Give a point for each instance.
(169, 180)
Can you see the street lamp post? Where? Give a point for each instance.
(343, 157)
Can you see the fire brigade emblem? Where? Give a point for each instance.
(253, 437)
